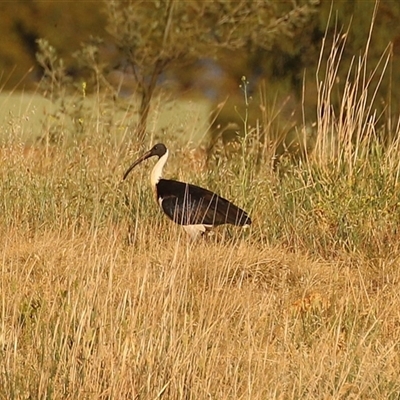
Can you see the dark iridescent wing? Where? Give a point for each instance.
(188, 204)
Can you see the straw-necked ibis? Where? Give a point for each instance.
(196, 209)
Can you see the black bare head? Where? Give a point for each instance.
(157, 150)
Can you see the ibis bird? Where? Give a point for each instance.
(196, 209)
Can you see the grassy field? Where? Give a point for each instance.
(103, 298)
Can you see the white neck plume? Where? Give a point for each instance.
(158, 169)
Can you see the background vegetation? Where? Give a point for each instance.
(103, 297)
(277, 55)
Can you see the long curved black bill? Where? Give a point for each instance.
(138, 161)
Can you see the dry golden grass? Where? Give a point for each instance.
(89, 316)
(102, 297)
